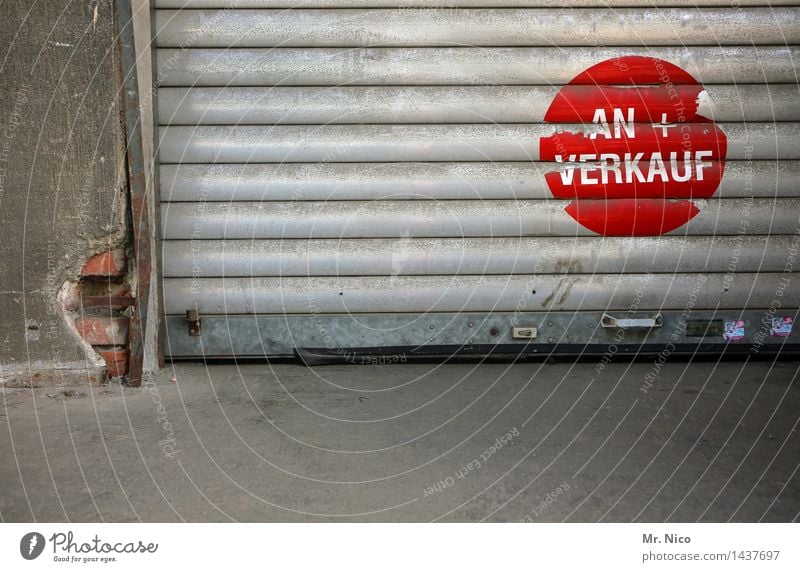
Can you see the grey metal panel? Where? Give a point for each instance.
(279, 335)
(456, 66)
(377, 257)
(381, 143)
(342, 294)
(458, 3)
(427, 104)
(446, 219)
(403, 181)
(478, 27)
(305, 239)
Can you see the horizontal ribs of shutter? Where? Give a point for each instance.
(456, 66)
(232, 4)
(391, 257)
(425, 104)
(444, 219)
(437, 142)
(472, 293)
(408, 181)
(297, 145)
(478, 27)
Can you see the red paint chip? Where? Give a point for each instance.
(640, 151)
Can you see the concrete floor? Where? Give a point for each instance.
(455, 442)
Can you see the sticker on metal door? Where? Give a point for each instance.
(640, 157)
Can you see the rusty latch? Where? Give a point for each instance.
(193, 318)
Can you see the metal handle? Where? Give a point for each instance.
(608, 321)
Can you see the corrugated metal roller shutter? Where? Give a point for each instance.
(340, 174)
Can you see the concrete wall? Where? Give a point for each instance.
(62, 177)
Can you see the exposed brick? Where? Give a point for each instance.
(111, 263)
(116, 361)
(104, 288)
(102, 331)
(106, 291)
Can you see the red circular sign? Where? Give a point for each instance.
(640, 150)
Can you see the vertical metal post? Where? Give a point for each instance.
(155, 195)
(137, 185)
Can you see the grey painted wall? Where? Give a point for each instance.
(62, 177)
